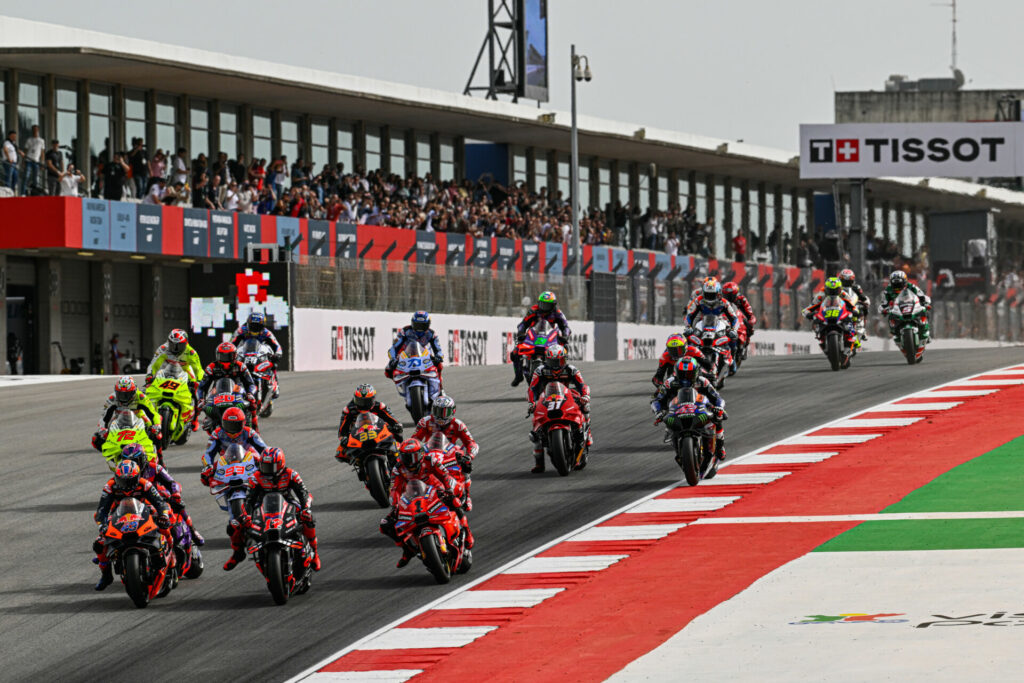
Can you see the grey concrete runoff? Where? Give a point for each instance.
(224, 626)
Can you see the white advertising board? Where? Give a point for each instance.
(342, 340)
(948, 150)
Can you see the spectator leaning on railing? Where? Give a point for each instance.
(11, 156)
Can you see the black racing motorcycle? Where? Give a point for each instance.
(693, 435)
(282, 553)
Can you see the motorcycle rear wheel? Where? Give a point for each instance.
(195, 570)
(687, 459)
(134, 584)
(276, 575)
(377, 481)
(558, 451)
(437, 565)
(834, 350)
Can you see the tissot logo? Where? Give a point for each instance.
(576, 347)
(467, 347)
(821, 151)
(508, 345)
(352, 343)
(639, 349)
(847, 150)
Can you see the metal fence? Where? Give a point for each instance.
(358, 284)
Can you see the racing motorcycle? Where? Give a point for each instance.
(124, 429)
(693, 435)
(417, 379)
(170, 394)
(906, 314)
(456, 461)
(559, 425)
(226, 394)
(370, 450)
(138, 553)
(282, 553)
(230, 481)
(833, 327)
(426, 523)
(711, 336)
(257, 358)
(861, 325)
(534, 346)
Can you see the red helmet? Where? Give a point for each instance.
(271, 462)
(125, 391)
(226, 354)
(233, 421)
(687, 370)
(847, 277)
(730, 290)
(177, 342)
(411, 453)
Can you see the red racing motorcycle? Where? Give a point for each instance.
(559, 425)
(426, 523)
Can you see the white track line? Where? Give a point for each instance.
(913, 407)
(745, 479)
(830, 440)
(879, 421)
(954, 393)
(426, 638)
(635, 532)
(698, 504)
(526, 597)
(530, 553)
(991, 382)
(564, 565)
(868, 517)
(787, 458)
(387, 676)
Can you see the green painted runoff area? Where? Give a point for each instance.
(991, 482)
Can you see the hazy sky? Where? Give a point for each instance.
(734, 69)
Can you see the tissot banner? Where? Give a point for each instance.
(950, 150)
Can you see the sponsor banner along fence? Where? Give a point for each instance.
(328, 339)
(647, 342)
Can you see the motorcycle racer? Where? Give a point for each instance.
(547, 309)
(256, 328)
(897, 283)
(687, 375)
(849, 280)
(232, 431)
(442, 420)
(127, 396)
(419, 331)
(834, 288)
(127, 482)
(273, 475)
(677, 348)
(709, 301)
(414, 462)
(166, 486)
(731, 293)
(176, 350)
(555, 369)
(364, 400)
(226, 364)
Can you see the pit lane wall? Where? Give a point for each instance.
(326, 339)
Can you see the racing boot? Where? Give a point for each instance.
(106, 576)
(720, 449)
(926, 333)
(407, 555)
(519, 376)
(316, 555)
(465, 527)
(236, 556)
(538, 457)
(197, 537)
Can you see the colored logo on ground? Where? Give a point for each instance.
(851, 618)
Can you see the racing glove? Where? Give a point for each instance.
(436, 360)
(661, 416)
(721, 415)
(154, 433)
(163, 521)
(206, 475)
(306, 515)
(149, 380)
(529, 411)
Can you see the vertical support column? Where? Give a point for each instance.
(435, 157)
(857, 252)
(359, 146)
(48, 286)
(777, 227)
(101, 304)
(215, 147)
(762, 216)
(727, 217)
(3, 314)
(714, 239)
(673, 188)
(275, 136)
(531, 172)
(613, 182)
(385, 149)
(745, 213)
(11, 103)
(872, 223)
(83, 158)
(245, 131)
(49, 113)
(332, 142)
(410, 153)
(594, 195)
(634, 188)
(811, 218)
(150, 104)
(152, 299)
(459, 154)
(691, 190)
(119, 142)
(185, 125)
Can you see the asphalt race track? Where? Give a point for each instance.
(224, 626)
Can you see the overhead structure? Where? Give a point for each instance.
(516, 44)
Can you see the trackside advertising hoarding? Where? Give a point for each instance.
(947, 150)
(328, 339)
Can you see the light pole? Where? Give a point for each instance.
(579, 73)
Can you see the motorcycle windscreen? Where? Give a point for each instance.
(224, 385)
(365, 420)
(250, 345)
(126, 419)
(437, 442)
(710, 322)
(273, 503)
(415, 489)
(542, 330)
(130, 506)
(906, 300)
(171, 371)
(413, 349)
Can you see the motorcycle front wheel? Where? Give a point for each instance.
(909, 344)
(416, 399)
(166, 415)
(686, 456)
(433, 559)
(134, 583)
(558, 451)
(834, 350)
(275, 571)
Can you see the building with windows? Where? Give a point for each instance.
(95, 92)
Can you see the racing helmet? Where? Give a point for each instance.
(687, 370)
(898, 280)
(125, 391)
(135, 453)
(363, 396)
(126, 475)
(420, 321)
(233, 421)
(547, 301)
(443, 410)
(730, 290)
(833, 286)
(676, 346)
(177, 342)
(411, 453)
(710, 289)
(554, 357)
(226, 354)
(256, 323)
(271, 462)
(847, 277)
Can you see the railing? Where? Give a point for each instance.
(358, 284)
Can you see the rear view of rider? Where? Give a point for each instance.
(414, 462)
(556, 369)
(546, 309)
(127, 482)
(364, 400)
(273, 474)
(418, 331)
(158, 475)
(232, 431)
(442, 420)
(834, 288)
(256, 328)
(688, 376)
(731, 293)
(897, 283)
(127, 396)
